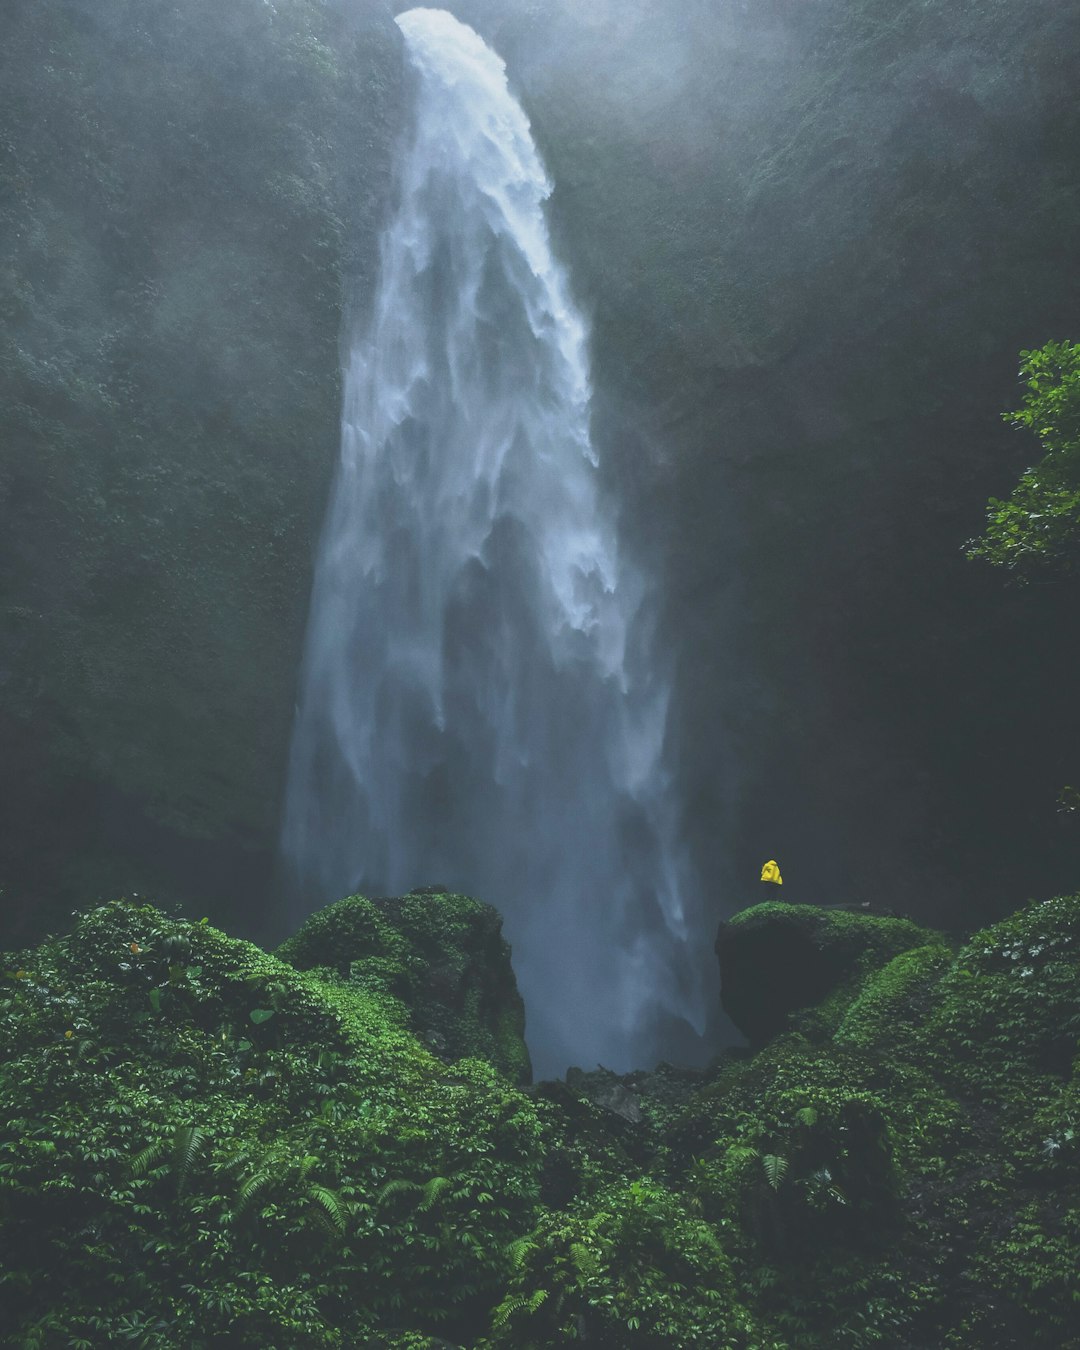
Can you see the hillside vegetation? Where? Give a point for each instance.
(202, 1145)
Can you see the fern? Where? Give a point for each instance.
(775, 1169)
(253, 1186)
(584, 1260)
(396, 1187)
(518, 1252)
(434, 1188)
(807, 1116)
(330, 1207)
(507, 1308)
(517, 1303)
(186, 1145)
(148, 1159)
(740, 1153)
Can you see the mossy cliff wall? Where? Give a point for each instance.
(187, 191)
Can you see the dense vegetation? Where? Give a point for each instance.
(203, 1146)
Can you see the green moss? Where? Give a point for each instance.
(221, 1123)
(801, 966)
(441, 956)
(878, 935)
(893, 1002)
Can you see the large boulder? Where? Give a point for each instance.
(442, 956)
(777, 959)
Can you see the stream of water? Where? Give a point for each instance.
(481, 702)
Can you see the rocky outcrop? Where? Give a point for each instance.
(777, 959)
(442, 956)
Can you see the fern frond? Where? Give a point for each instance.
(739, 1153)
(187, 1142)
(775, 1169)
(330, 1205)
(517, 1303)
(507, 1308)
(518, 1251)
(146, 1160)
(250, 1188)
(396, 1188)
(433, 1190)
(584, 1260)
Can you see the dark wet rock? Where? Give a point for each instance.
(607, 1090)
(776, 959)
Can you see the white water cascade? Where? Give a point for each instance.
(480, 705)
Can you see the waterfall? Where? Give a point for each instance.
(481, 702)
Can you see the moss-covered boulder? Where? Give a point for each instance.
(777, 959)
(442, 956)
(202, 1146)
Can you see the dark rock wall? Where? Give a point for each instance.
(814, 238)
(186, 190)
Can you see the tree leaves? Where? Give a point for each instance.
(1035, 531)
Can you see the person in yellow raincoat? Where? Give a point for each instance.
(771, 872)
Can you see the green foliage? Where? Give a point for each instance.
(174, 185)
(635, 1269)
(894, 1001)
(185, 1169)
(190, 1177)
(807, 962)
(1035, 531)
(440, 956)
(1007, 1010)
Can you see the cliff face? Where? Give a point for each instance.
(812, 238)
(187, 192)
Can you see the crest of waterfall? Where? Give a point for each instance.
(480, 703)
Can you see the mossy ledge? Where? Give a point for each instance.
(441, 955)
(202, 1145)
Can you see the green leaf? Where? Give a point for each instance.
(155, 999)
(260, 1015)
(186, 1145)
(775, 1169)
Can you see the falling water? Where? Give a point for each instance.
(480, 707)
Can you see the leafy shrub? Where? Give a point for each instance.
(634, 1270)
